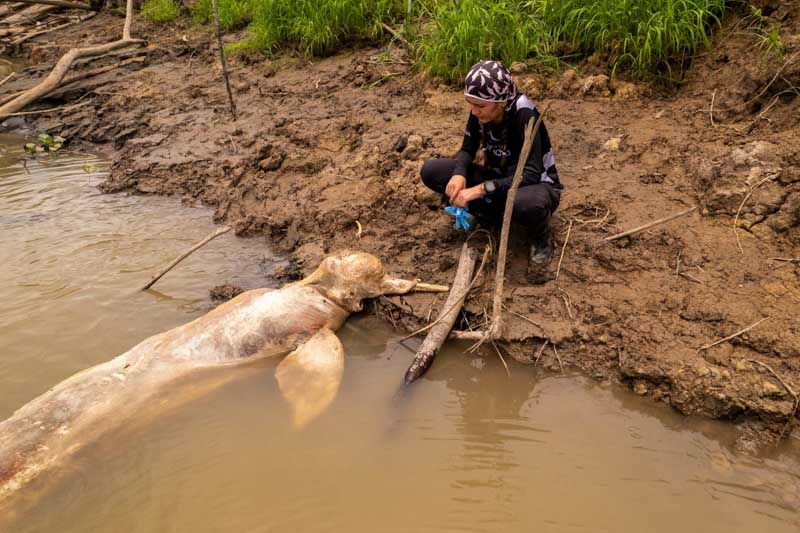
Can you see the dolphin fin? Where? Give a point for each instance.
(309, 377)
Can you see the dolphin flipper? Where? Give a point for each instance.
(309, 377)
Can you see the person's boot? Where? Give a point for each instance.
(541, 248)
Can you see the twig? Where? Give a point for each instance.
(222, 58)
(523, 317)
(690, 277)
(560, 364)
(214, 235)
(539, 352)
(650, 224)
(8, 78)
(563, 248)
(599, 224)
(60, 3)
(677, 266)
(786, 259)
(789, 389)
(711, 109)
(508, 372)
(397, 36)
(738, 211)
(50, 110)
(30, 36)
(729, 337)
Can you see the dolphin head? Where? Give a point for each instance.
(347, 278)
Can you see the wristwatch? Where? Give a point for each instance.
(489, 187)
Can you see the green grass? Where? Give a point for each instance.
(645, 37)
(161, 10)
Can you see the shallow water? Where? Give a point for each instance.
(467, 448)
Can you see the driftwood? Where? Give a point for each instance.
(649, 225)
(57, 75)
(186, 254)
(438, 333)
(31, 14)
(28, 36)
(61, 3)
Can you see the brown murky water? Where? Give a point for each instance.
(468, 448)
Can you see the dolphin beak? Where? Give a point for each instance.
(404, 286)
(308, 280)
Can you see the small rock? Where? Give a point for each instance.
(612, 145)
(769, 389)
(595, 85)
(603, 339)
(640, 388)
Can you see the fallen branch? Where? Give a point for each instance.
(739, 211)
(60, 3)
(439, 331)
(649, 225)
(31, 35)
(30, 14)
(49, 110)
(496, 327)
(56, 76)
(209, 238)
(729, 337)
(215, 5)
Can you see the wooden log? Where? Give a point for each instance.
(439, 332)
(31, 14)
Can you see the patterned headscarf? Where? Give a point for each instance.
(490, 81)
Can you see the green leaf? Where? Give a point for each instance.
(54, 147)
(30, 148)
(58, 139)
(45, 139)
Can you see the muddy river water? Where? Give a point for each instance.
(469, 448)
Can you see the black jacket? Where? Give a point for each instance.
(541, 164)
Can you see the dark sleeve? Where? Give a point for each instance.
(472, 140)
(534, 165)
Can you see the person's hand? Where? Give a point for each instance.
(456, 184)
(467, 195)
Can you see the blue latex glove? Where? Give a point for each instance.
(463, 218)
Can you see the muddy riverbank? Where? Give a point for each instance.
(326, 154)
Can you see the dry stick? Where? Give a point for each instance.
(30, 14)
(8, 78)
(56, 76)
(496, 349)
(739, 211)
(786, 259)
(677, 266)
(540, 351)
(214, 235)
(711, 109)
(60, 3)
(560, 364)
(729, 337)
(496, 326)
(439, 331)
(29, 36)
(50, 110)
(523, 317)
(463, 296)
(650, 225)
(565, 296)
(397, 35)
(791, 391)
(222, 58)
(566, 240)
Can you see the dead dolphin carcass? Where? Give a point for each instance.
(298, 320)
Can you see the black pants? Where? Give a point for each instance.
(533, 204)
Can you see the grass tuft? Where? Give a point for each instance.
(161, 10)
